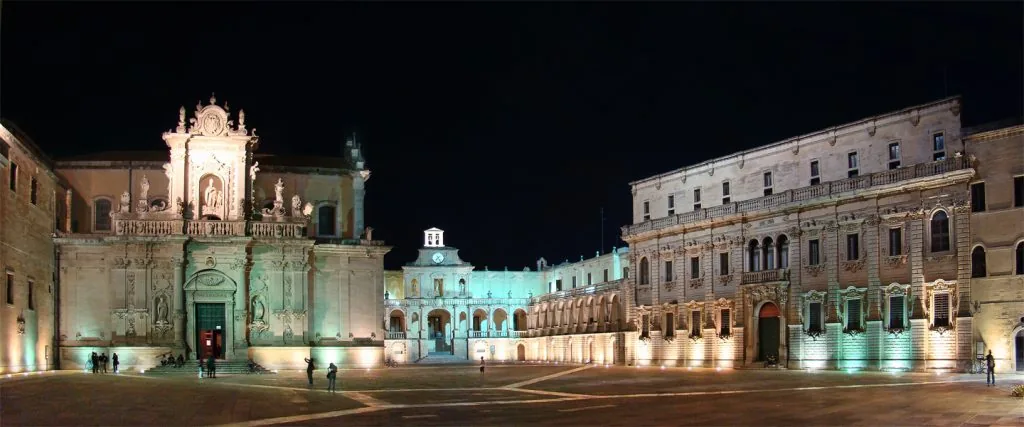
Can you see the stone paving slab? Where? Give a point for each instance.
(110, 400)
(396, 378)
(601, 380)
(449, 396)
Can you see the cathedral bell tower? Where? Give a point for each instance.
(210, 159)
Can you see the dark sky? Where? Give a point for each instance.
(507, 125)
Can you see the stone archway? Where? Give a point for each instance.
(211, 324)
(768, 329)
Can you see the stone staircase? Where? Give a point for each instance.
(223, 367)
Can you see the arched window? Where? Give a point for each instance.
(783, 246)
(754, 255)
(768, 251)
(978, 262)
(1020, 258)
(101, 215)
(940, 232)
(326, 216)
(645, 272)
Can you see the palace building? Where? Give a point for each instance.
(895, 242)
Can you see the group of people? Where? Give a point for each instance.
(100, 361)
(169, 360)
(332, 374)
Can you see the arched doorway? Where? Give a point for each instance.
(768, 331)
(521, 352)
(439, 324)
(1019, 349)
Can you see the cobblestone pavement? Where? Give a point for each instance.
(514, 395)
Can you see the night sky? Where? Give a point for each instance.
(507, 125)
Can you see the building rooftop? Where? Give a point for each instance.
(164, 156)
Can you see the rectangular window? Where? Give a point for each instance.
(574, 280)
(696, 199)
(647, 210)
(726, 195)
(938, 147)
(558, 285)
(725, 322)
(767, 183)
(723, 263)
(941, 310)
(894, 155)
(644, 329)
(1018, 191)
(625, 272)
(695, 323)
(670, 326)
(10, 288)
(896, 309)
(852, 247)
(31, 295)
(814, 316)
(668, 271)
(14, 177)
(853, 314)
(978, 197)
(813, 252)
(695, 267)
(606, 275)
(33, 191)
(589, 282)
(815, 173)
(671, 205)
(895, 241)
(851, 165)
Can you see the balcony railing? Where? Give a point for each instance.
(765, 276)
(834, 189)
(587, 290)
(147, 227)
(278, 230)
(394, 335)
(215, 228)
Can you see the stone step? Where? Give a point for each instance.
(191, 368)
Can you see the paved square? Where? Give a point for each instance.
(514, 395)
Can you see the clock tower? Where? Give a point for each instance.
(438, 271)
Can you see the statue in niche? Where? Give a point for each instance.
(414, 288)
(212, 195)
(259, 311)
(145, 188)
(462, 286)
(279, 191)
(161, 309)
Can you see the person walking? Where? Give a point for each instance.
(309, 370)
(481, 364)
(332, 376)
(990, 364)
(115, 362)
(211, 367)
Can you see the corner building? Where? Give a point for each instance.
(212, 248)
(845, 248)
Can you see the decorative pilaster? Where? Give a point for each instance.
(874, 252)
(916, 222)
(830, 253)
(359, 193)
(795, 273)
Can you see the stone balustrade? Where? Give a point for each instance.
(278, 230)
(612, 285)
(394, 335)
(215, 228)
(799, 196)
(147, 227)
(765, 276)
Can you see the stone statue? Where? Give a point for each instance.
(126, 200)
(169, 172)
(253, 169)
(212, 195)
(181, 117)
(145, 188)
(161, 309)
(296, 205)
(241, 119)
(259, 311)
(279, 191)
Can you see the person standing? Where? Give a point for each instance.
(332, 376)
(115, 362)
(211, 367)
(104, 360)
(481, 364)
(95, 363)
(309, 370)
(990, 363)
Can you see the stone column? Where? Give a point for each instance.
(873, 248)
(359, 193)
(177, 266)
(918, 315)
(830, 251)
(964, 321)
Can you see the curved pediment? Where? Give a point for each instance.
(210, 279)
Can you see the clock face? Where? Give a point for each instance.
(437, 257)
